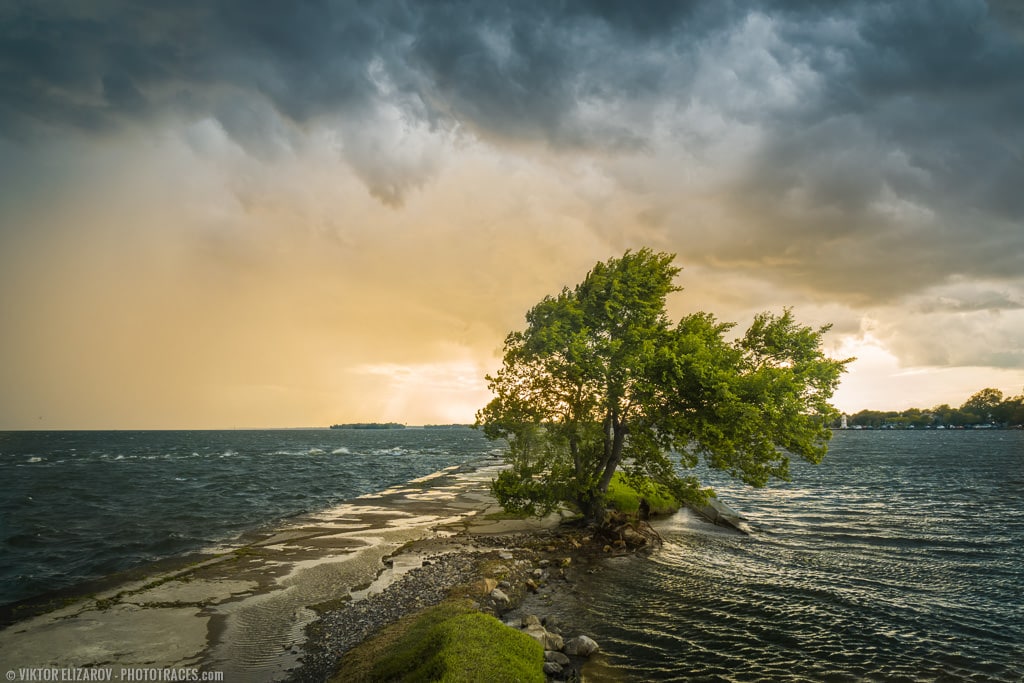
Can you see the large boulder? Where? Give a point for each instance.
(552, 669)
(549, 641)
(633, 538)
(581, 646)
(551, 624)
(556, 657)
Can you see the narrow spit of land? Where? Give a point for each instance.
(288, 604)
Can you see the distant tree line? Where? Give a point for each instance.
(986, 408)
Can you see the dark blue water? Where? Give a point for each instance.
(900, 558)
(82, 505)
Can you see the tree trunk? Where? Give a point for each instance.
(618, 443)
(592, 505)
(593, 509)
(577, 462)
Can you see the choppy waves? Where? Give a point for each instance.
(900, 558)
(81, 505)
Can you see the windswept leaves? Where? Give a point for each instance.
(600, 379)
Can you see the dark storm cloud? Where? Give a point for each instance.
(908, 162)
(518, 74)
(94, 65)
(520, 68)
(527, 71)
(515, 70)
(903, 145)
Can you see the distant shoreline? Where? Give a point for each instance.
(913, 428)
(395, 425)
(369, 425)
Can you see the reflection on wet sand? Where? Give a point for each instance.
(244, 611)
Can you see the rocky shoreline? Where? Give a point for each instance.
(511, 576)
(292, 601)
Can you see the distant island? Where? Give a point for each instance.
(396, 425)
(369, 425)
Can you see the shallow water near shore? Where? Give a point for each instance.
(244, 613)
(900, 558)
(78, 506)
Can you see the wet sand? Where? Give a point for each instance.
(245, 611)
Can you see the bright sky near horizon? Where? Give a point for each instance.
(261, 214)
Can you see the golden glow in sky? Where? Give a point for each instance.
(259, 220)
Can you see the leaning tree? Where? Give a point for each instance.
(602, 381)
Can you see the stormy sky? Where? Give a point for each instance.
(287, 214)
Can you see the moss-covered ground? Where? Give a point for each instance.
(626, 498)
(450, 642)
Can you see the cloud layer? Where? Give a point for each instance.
(348, 185)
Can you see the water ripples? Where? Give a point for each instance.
(897, 559)
(80, 505)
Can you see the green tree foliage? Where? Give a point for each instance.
(600, 380)
(1012, 411)
(983, 403)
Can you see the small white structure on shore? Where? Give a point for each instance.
(842, 423)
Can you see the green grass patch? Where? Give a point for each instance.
(451, 642)
(626, 498)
